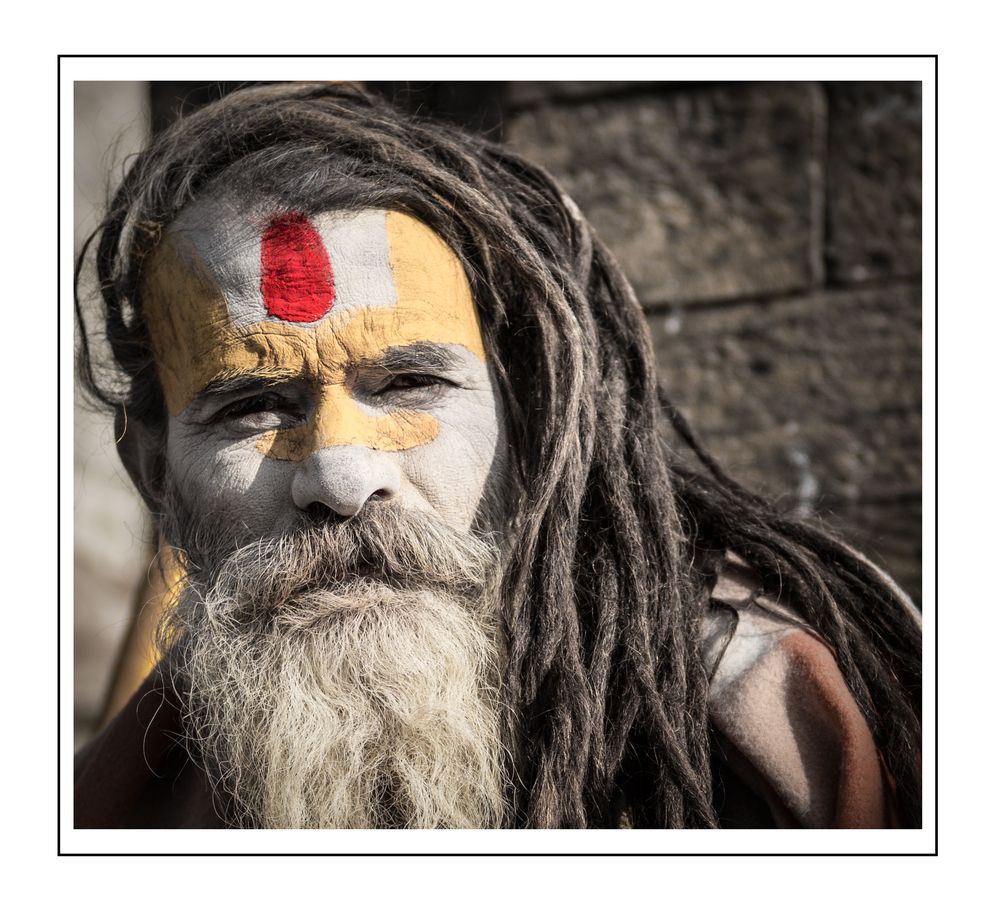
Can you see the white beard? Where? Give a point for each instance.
(355, 705)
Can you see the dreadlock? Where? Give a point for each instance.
(618, 542)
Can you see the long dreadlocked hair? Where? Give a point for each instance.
(619, 543)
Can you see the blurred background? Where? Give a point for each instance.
(771, 230)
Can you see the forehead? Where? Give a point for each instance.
(235, 289)
(287, 266)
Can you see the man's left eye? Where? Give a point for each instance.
(411, 381)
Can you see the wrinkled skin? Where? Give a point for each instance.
(391, 402)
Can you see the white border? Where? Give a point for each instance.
(703, 69)
(640, 841)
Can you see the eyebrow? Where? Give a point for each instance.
(418, 356)
(242, 383)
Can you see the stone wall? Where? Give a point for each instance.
(773, 234)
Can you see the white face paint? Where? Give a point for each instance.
(328, 360)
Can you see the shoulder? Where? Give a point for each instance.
(786, 723)
(136, 773)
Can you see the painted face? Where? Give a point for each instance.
(324, 359)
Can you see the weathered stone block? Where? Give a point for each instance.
(874, 180)
(815, 398)
(524, 93)
(890, 534)
(702, 194)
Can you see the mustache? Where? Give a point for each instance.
(384, 544)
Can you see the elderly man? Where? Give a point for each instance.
(395, 407)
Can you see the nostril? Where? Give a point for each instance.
(321, 514)
(379, 495)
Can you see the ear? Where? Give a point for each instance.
(141, 449)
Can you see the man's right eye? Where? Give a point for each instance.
(262, 412)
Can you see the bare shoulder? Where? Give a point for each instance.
(785, 720)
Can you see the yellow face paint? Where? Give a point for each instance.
(195, 341)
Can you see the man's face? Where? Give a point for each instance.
(334, 359)
(337, 673)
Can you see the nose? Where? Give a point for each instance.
(345, 478)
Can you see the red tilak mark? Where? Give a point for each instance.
(295, 275)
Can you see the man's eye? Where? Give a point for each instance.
(411, 381)
(412, 384)
(262, 412)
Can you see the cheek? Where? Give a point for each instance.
(234, 481)
(455, 471)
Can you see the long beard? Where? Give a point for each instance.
(345, 675)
